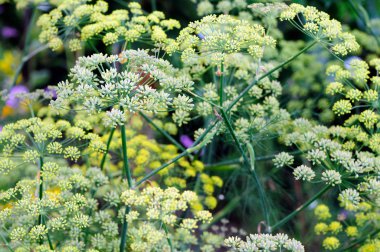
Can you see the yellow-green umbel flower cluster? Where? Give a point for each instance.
(363, 218)
(78, 21)
(358, 91)
(65, 210)
(30, 140)
(318, 25)
(160, 208)
(212, 38)
(127, 83)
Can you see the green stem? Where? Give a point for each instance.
(41, 189)
(6, 242)
(40, 197)
(163, 132)
(203, 99)
(300, 208)
(362, 14)
(224, 163)
(48, 238)
(107, 149)
(155, 171)
(25, 50)
(128, 176)
(167, 237)
(197, 145)
(221, 90)
(124, 231)
(49, 241)
(234, 137)
(127, 170)
(240, 96)
(252, 171)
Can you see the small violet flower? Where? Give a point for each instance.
(9, 32)
(13, 101)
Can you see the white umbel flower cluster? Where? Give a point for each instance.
(264, 242)
(130, 82)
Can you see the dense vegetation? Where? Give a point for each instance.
(198, 125)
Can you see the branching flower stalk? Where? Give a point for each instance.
(107, 149)
(41, 186)
(164, 132)
(250, 169)
(221, 84)
(300, 208)
(25, 55)
(127, 175)
(202, 141)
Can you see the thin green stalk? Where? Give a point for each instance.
(6, 242)
(25, 50)
(128, 176)
(154, 172)
(300, 208)
(48, 238)
(224, 163)
(163, 132)
(203, 99)
(362, 14)
(221, 89)
(124, 230)
(26, 59)
(107, 149)
(41, 189)
(234, 137)
(197, 145)
(127, 170)
(263, 202)
(240, 96)
(40, 196)
(167, 237)
(49, 241)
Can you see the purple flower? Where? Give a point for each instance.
(13, 101)
(1, 128)
(9, 32)
(51, 92)
(201, 36)
(342, 215)
(186, 141)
